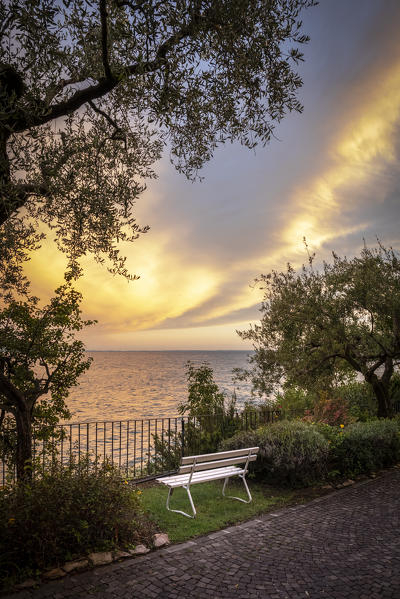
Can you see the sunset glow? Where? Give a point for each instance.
(333, 178)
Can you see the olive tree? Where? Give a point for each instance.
(40, 360)
(92, 91)
(321, 326)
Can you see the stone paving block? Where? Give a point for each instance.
(341, 546)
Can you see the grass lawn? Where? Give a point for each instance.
(213, 510)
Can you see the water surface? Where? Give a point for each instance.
(147, 384)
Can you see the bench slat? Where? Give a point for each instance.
(210, 457)
(216, 464)
(204, 473)
(200, 477)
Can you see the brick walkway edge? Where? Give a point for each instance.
(340, 546)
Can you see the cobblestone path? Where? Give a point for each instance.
(344, 545)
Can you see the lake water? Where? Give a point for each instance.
(149, 384)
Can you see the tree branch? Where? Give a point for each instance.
(104, 39)
(351, 359)
(396, 325)
(19, 121)
(13, 395)
(19, 193)
(374, 367)
(387, 374)
(131, 5)
(320, 362)
(2, 416)
(51, 375)
(118, 133)
(53, 90)
(105, 115)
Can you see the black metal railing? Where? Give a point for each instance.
(139, 448)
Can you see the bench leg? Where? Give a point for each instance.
(171, 490)
(243, 477)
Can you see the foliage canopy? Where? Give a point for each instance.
(91, 92)
(204, 396)
(90, 95)
(40, 359)
(320, 327)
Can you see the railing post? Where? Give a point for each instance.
(183, 436)
(127, 448)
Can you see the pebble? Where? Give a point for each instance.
(53, 574)
(120, 554)
(139, 550)
(101, 558)
(76, 565)
(160, 539)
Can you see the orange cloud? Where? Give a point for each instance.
(194, 293)
(358, 155)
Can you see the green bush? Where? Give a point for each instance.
(294, 402)
(364, 447)
(361, 400)
(292, 453)
(210, 418)
(65, 514)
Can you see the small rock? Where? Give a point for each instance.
(160, 539)
(53, 574)
(327, 487)
(27, 584)
(98, 559)
(121, 554)
(139, 550)
(347, 483)
(77, 565)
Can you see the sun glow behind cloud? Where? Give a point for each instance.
(197, 262)
(360, 155)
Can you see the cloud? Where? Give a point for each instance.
(334, 179)
(189, 338)
(335, 203)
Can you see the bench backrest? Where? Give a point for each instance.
(207, 461)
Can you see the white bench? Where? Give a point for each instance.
(210, 466)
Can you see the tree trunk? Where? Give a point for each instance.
(383, 398)
(24, 445)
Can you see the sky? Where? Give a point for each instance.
(332, 176)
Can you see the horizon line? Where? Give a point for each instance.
(165, 350)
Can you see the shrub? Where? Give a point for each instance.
(331, 410)
(294, 402)
(204, 396)
(210, 418)
(366, 446)
(329, 432)
(361, 400)
(292, 453)
(64, 514)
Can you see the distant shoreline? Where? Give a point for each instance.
(194, 351)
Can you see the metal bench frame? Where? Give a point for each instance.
(207, 467)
